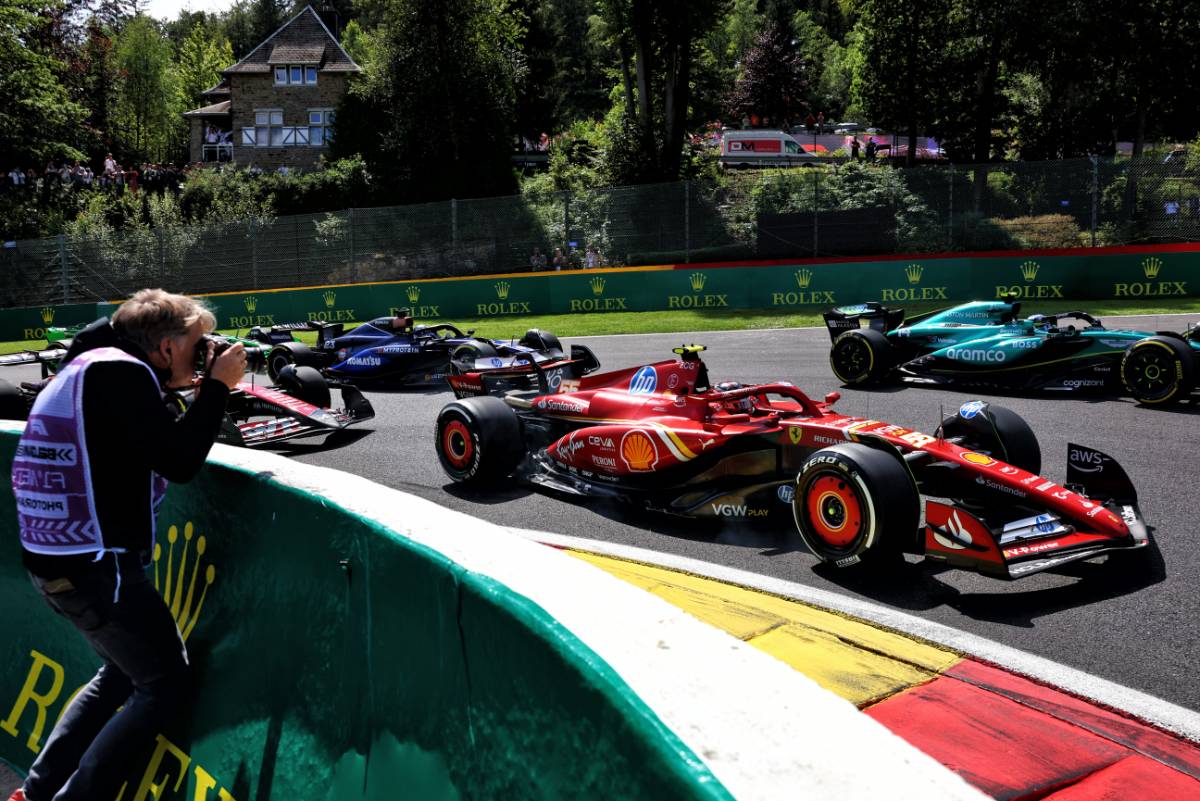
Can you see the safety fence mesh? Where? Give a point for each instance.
(836, 210)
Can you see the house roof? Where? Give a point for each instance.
(215, 110)
(221, 88)
(304, 39)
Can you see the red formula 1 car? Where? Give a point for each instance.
(661, 437)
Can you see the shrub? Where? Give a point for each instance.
(1044, 231)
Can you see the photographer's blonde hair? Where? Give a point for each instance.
(151, 315)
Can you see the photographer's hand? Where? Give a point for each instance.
(229, 367)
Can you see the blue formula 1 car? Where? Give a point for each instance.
(988, 344)
(392, 351)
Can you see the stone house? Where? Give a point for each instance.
(275, 107)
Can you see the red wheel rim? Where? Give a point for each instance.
(835, 511)
(457, 444)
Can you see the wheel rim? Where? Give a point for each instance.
(852, 358)
(1151, 372)
(278, 363)
(457, 444)
(834, 509)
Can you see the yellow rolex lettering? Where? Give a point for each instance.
(204, 783)
(150, 783)
(41, 700)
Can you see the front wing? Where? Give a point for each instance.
(257, 416)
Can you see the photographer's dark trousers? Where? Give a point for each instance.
(89, 753)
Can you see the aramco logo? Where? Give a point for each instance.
(177, 579)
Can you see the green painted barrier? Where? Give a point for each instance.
(1154, 273)
(338, 659)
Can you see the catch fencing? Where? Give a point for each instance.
(835, 210)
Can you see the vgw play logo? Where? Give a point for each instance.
(696, 300)
(598, 302)
(803, 296)
(914, 291)
(1029, 289)
(183, 578)
(1150, 288)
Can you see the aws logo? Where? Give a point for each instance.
(913, 274)
(1151, 267)
(803, 296)
(696, 281)
(1029, 272)
(183, 575)
(597, 302)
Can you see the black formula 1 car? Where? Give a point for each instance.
(394, 351)
(988, 344)
(659, 436)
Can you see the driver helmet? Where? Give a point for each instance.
(741, 404)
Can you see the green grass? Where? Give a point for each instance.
(661, 322)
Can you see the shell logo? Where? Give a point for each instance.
(979, 459)
(638, 451)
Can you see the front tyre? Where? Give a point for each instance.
(479, 440)
(540, 340)
(855, 504)
(305, 383)
(1158, 371)
(998, 432)
(860, 356)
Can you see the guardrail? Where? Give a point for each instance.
(351, 640)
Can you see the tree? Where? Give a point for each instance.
(774, 82)
(198, 68)
(38, 119)
(147, 119)
(434, 113)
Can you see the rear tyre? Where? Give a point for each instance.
(13, 405)
(1158, 371)
(860, 356)
(479, 440)
(999, 432)
(540, 340)
(305, 383)
(462, 359)
(854, 504)
(281, 356)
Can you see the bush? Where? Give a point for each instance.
(975, 231)
(1044, 231)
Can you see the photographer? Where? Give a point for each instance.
(90, 472)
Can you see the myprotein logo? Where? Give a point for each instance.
(1150, 288)
(1029, 271)
(803, 296)
(597, 303)
(913, 273)
(697, 281)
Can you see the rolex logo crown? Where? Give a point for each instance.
(251, 303)
(330, 298)
(177, 579)
(914, 271)
(47, 314)
(413, 293)
(502, 288)
(597, 285)
(804, 277)
(1030, 269)
(1151, 267)
(697, 280)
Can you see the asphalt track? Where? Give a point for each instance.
(1132, 624)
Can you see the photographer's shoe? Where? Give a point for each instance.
(17, 795)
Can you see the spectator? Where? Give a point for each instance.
(810, 121)
(745, 122)
(755, 121)
(871, 148)
(16, 176)
(592, 259)
(537, 261)
(110, 166)
(820, 122)
(854, 149)
(560, 260)
(31, 177)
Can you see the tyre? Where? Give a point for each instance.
(997, 431)
(281, 356)
(462, 359)
(855, 504)
(860, 356)
(540, 340)
(305, 383)
(479, 440)
(1158, 371)
(13, 405)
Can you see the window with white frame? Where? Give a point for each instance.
(320, 126)
(267, 131)
(295, 75)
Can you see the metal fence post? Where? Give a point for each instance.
(950, 215)
(454, 223)
(350, 237)
(687, 222)
(566, 221)
(816, 212)
(162, 257)
(62, 261)
(1095, 195)
(253, 254)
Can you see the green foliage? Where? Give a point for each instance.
(201, 59)
(147, 115)
(1044, 231)
(359, 44)
(773, 84)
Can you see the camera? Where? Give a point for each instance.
(220, 345)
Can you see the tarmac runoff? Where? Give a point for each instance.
(1013, 725)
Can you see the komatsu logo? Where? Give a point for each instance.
(973, 355)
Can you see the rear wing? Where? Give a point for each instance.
(561, 375)
(877, 316)
(269, 334)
